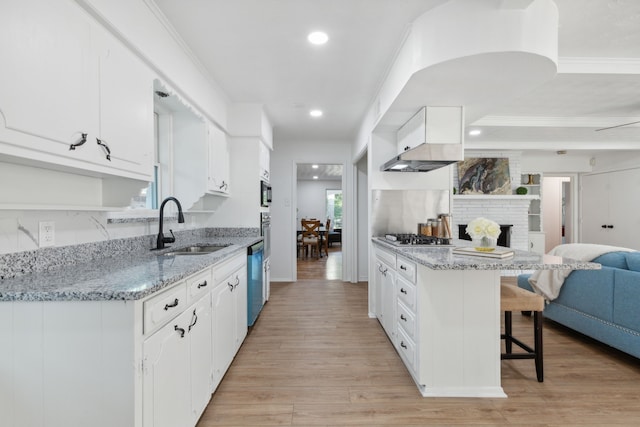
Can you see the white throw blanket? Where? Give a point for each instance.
(548, 282)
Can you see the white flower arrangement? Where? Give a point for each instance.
(482, 227)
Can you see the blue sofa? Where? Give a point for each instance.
(602, 304)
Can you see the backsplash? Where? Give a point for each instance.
(24, 262)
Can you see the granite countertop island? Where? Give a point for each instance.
(442, 258)
(131, 276)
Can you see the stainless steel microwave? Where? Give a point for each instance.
(265, 194)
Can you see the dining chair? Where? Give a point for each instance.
(311, 236)
(325, 238)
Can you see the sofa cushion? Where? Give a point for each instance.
(613, 259)
(589, 291)
(626, 297)
(633, 260)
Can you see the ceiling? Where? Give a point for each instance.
(257, 52)
(307, 172)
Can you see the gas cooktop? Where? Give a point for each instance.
(408, 239)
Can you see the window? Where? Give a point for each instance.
(334, 207)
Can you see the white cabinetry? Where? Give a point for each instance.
(229, 313)
(609, 209)
(532, 182)
(385, 283)
(146, 362)
(177, 358)
(432, 125)
(406, 316)
(265, 159)
(218, 179)
(70, 81)
(536, 242)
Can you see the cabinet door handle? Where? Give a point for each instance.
(104, 145)
(180, 330)
(194, 320)
(237, 282)
(403, 291)
(609, 226)
(202, 285)
(403, 318)
(531, 245)
(604, 226)
(384, 272)
(402, 267)
(230, 286)
(79, 142)
(171, 305)
(402, 344)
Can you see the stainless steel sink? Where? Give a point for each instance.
(196, 250)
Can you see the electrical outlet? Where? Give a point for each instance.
(46, 234)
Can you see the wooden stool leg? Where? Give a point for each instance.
(538, 319)
(507, 332)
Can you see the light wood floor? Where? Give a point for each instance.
(328, 267)
(314, 358)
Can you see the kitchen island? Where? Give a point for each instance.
(138, 339)
(442, 312)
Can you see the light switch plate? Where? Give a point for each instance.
(46, 234)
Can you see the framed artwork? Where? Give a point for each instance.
(487, 175)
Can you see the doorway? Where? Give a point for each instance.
(320, 197)
(558, 210)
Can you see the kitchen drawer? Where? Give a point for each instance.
(406, 269)
(407, 349)
(406, 320)
(406, 293)
(223, 270)
(164, 306)
(387, 257)
(199, 284)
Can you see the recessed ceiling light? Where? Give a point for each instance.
(318, 37)
(315, 177)
(315, 113)
(314, 166)
(475, 132)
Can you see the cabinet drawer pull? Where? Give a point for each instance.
(230, 286)
(202, 285)
(194, 320)
(104, 145)
(403, 318)
(173, 304)
(403, 291)
(180, 330)
(82, 140)
(403, 345)
(609, 226)
(402, 267)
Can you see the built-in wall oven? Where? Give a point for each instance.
(265, 231)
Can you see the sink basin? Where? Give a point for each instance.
(196, 250)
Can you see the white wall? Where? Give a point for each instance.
(284, 158)
(312, 198)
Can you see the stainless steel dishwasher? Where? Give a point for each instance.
(255, 271)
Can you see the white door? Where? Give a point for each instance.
(595, 208)
(200, 336)
(165, 387)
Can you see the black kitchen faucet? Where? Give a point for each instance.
(161, 239)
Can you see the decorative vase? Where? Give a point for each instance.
(485, 244)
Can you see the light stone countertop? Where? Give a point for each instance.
(442, 258)
(129, 277)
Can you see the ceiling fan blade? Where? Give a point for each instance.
(618, 126)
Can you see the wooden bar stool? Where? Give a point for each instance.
(513, 298)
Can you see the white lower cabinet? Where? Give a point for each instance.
(385, 283)
(229, 314)
(152, 362)
(166, 387)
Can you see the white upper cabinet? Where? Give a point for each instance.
(265, 159)
(48, 92)
(218, 179)
(126, 108)
(432, 125)
(67, 81)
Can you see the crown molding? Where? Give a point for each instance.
(593, 65)
(535, 121)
